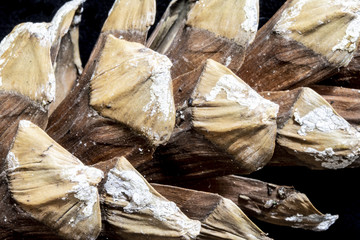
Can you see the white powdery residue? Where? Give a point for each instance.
(50, 88)
(228, 61)
(328, 220)
(25, 124)
(127, 185)
(251, 21)
(150, 133)
(330, 160)
(161, 99)
(287, 17)
(270, 203)
(12, 161)
(88, 195)
(150, 17)
(240, 93)
(46, 34)
(297, 218)
(323, 119)
(324, 221)
(84, 177)
(41, 32)
(201, 3)
(77, 19)
(60, 14)
(3, 62)
(244, 197)
(37, 29)
(235, 91)
(350, 6)
(350, 40)
(251, 236)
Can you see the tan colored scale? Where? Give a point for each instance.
(316, 135)
(223, 217)
(234, 117)
(64, 17)
(135, 210)
(132, 85)
(52, 185)
(222, 20)
(28, 62)
(130, 15)
(25, 63)
(330, 28)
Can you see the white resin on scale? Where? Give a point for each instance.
(127, 186)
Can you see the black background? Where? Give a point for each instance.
(334, 192)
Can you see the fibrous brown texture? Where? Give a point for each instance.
(220, 217)
(188, 36)
(312, 132)
(339, 18)
(280, 205)
(231, 129)
(16, 223)
(234, 117)
(286, 52)
(39, 64)
(207, 122)
(347, 76)
(135, 147)
(101, 138)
